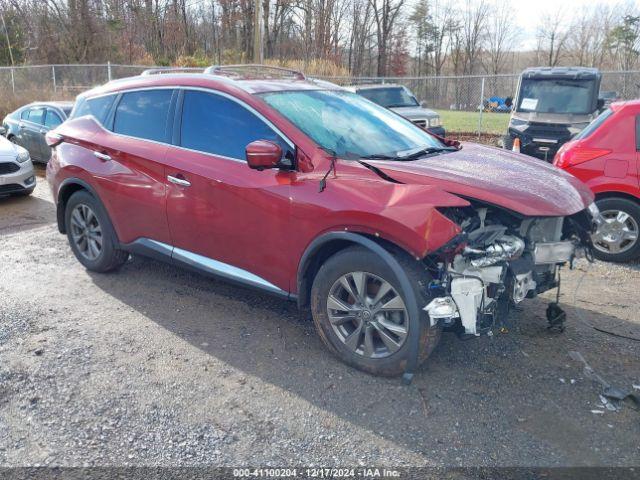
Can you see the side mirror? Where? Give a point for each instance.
(424, 104)
(600, 104)
(263, 154)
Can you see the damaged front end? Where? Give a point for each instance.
(499, 259)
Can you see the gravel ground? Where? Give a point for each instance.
(153, 365)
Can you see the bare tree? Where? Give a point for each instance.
(502, 36)
(385, 14)
(552, 38)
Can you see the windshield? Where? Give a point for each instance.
(350, 126)
(389, 97)
(556, 96)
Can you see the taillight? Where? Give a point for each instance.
(576, 155)
(53, 139)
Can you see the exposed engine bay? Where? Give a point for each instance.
(499, 259)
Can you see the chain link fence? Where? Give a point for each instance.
(444, 93)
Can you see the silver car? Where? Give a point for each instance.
(402, 101)
(28, 125)
(16, 170)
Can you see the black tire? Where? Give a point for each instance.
(633, 210)
(109, 257)
(359, 259)
(507, 142)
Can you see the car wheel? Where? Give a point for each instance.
(507, 142)
(616, 240)
(360, 312)
(91, 235)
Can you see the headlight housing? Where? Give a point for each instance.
(23, 156)
(434, 122)
(518, 124)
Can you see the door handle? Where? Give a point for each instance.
(43, 131)
(22, 126)
(102, 156)
(179, 181)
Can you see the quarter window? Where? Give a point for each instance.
(99, 107)
(215, 124)
(52, 120)
(144, 114)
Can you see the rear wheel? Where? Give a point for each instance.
(361, 313)
(616, 240)
(91, 235)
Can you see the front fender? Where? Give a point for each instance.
(404, 214)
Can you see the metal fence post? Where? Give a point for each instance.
(53, 77)
(109, 71)
(13, 81)
(481, 108)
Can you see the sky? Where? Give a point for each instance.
(528, 14)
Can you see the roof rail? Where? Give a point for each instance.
(254, 71)
(161, 70)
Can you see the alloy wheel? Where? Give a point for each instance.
(86, 231)
(617, 233)
(367, 314)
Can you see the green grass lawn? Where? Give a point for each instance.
(456, 121)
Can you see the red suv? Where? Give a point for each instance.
(308, 191)
(606, 156)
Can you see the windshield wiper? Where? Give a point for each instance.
(378, 156)
(411, 156)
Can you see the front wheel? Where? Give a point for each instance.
(616, 239)
(360, 312)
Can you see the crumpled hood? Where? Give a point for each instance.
(414, 112)
(513, 181)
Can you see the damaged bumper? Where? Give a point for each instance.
(500, 260)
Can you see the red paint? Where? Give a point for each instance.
(263, 221)
(607, 160)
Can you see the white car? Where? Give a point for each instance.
(16, 170)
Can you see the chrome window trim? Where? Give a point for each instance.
(200, 89)
(209, 265)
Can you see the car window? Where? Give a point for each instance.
(390, 97)
(24, 115)
(594, 125)
(52, 119)
(215, 124)
(144, 114)
(99, 107)
(36, 115)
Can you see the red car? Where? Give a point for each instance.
(305, 190)
(606, 156)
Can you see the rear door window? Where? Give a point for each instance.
(36, 115)
(144, 114)
(215, 124)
